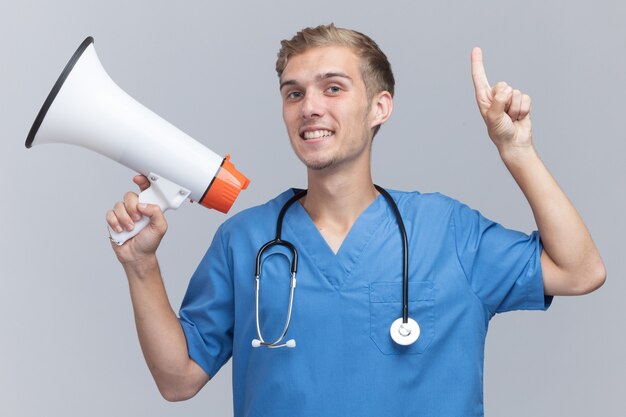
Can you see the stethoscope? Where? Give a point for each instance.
(404, 330)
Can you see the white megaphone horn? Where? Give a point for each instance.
(86, 108)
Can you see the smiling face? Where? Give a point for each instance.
(326, 110)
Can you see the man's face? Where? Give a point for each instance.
(325, 107)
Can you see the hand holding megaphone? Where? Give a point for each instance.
(154, 190)
(86, 108)
(125, 215)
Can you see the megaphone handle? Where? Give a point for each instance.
(161, 192)
(121, 238)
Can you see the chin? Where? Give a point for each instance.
(319, 164)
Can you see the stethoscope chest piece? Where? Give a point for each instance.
(404, 333)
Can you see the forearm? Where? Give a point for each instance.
(566, 240)
(570, 261)
(160, 334)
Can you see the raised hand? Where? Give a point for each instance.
(506, 111)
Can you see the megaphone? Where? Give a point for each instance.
(86, 108)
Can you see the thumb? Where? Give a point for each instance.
(155, 214)
(142, 181)
(502, 95)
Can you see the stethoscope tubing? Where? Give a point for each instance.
(405, 253)
(275, 343)
(277, 241)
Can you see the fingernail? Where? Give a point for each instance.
(130, 226)
(119, 229)
(137, 217)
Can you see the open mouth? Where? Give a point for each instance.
(315, 134)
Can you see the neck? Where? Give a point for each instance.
(336, 199)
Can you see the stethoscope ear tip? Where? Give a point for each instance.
(291, 343)
(256, 343)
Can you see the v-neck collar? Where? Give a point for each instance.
(337, 268)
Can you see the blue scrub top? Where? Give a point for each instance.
(463, 268)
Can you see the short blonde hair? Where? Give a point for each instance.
(375, 68)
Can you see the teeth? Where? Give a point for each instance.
(317, 134)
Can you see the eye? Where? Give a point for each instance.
(333, 89)
(293, 95)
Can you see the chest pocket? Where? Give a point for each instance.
(386, 307)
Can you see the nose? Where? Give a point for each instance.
(312, 106)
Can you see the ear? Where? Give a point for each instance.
(381, 108)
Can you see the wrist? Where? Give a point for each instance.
(518, 155)
(141, 267)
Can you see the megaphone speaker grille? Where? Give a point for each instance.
(55, 90)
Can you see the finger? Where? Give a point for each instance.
(142, 181)
(502, 94)
(479, 77)
(119, 209)
(499, 88)
(516, 105)
(154, 212)
(525, 107)
(130, 202)
(113, 222)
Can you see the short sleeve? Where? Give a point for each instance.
(207, 312)
(502, 266)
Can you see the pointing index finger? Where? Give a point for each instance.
(478, 70)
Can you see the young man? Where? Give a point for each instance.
(337, 90)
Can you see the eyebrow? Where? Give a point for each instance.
(320, 77)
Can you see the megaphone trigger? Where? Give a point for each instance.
(162, 192)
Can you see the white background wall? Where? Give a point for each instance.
(67, 339)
